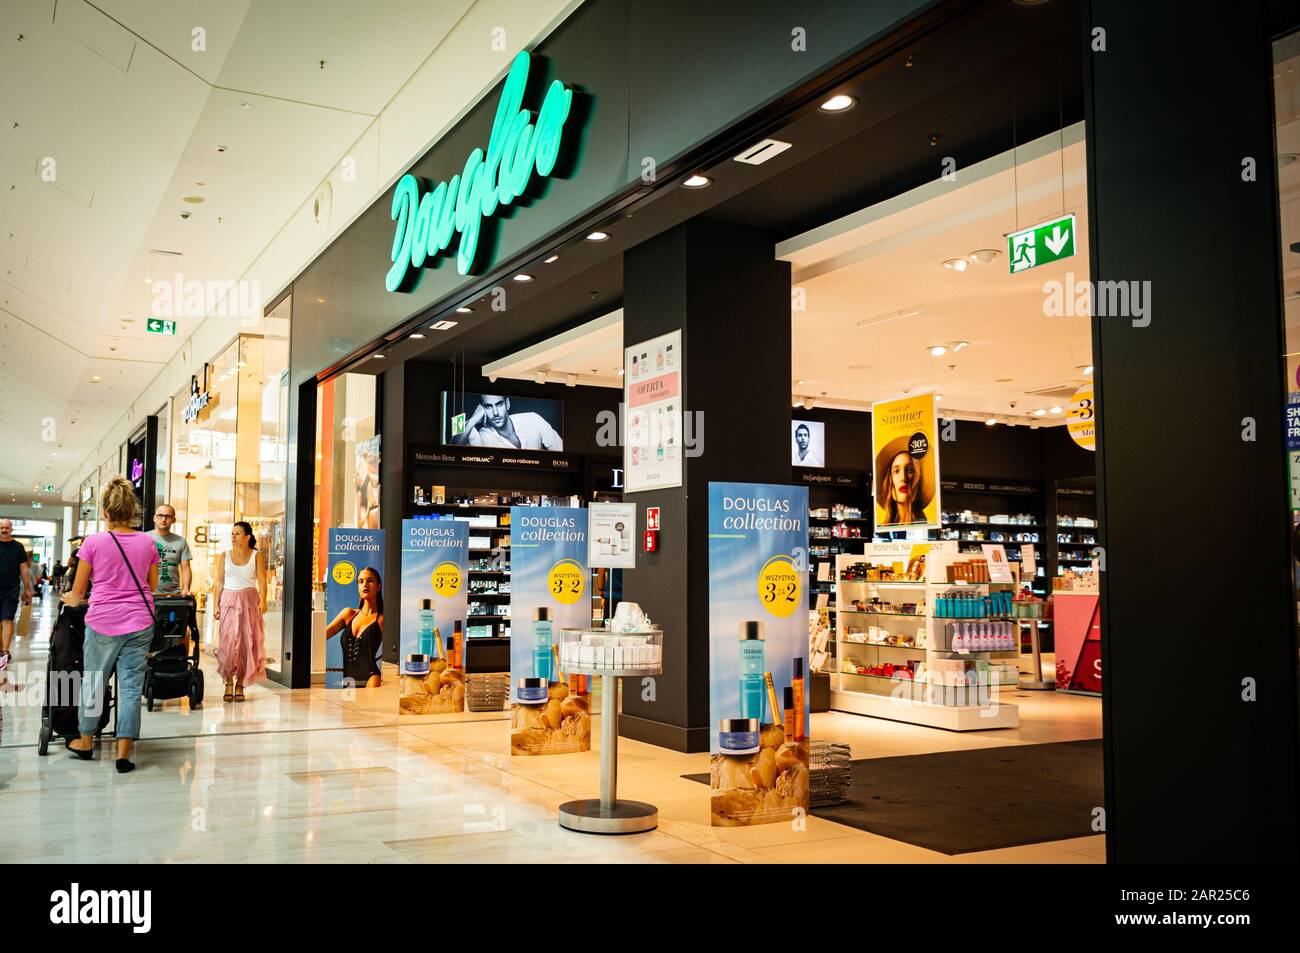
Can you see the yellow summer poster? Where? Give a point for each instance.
(905, 461)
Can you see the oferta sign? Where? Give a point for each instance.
(1041, 244)
(430, 220)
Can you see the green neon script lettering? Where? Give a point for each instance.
(427, 222)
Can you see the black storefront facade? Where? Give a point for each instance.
(655, 102)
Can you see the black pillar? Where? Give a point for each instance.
(391, 388)
(1196, 590)
(722, 287)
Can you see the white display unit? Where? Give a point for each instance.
(927, 699)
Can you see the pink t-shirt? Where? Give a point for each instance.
(115, 604)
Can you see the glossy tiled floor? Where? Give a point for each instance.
(317, 776)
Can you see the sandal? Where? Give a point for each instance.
(239, 693)
(229, 696)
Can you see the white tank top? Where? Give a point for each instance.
(241, 577)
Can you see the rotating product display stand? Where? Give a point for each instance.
(607, 814)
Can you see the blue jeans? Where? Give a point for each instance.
(102, 653)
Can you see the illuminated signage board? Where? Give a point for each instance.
(429, 221)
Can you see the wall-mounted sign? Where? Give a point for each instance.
(653, 386)
(610, 535)
(1041, 244)
(198, 400)
(484, 457)
(428, 221)
(137, 472)
(1082, 418)
(160, 326)
(905, 451)
(49, 488)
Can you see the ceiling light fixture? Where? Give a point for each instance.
(442, 325)
(620, 372)
(521, 277)
(698, 182)
(837, 104)
(597, 236)
(540, 377)
(96, 379)
(552, 260)
(938, 350)
(984, 255)
(956, 264)
(809, 403)
(379, 357)
(417, 337)
(464, 309)
(1039, 412)
(1054, 410)
(938, 397)
(958, 345)
(572, 381)
(991, 422)
(1087, 370)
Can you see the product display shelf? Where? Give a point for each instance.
(970, 702)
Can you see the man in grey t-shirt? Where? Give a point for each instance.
(174, 574)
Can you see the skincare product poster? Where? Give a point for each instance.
(905, 457)
(612, 532)
(758, 648)
(550, 590)
(435, 570)
(354, 604)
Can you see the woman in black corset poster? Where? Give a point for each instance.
(361, 632)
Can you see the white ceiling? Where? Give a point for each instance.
(876, 263)
(132, 114)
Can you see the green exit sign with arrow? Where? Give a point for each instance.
(1041, 244)
(160, 326)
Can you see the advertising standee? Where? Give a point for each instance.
(550, 590)
(354, 599)
(758, 646)
(435, 567)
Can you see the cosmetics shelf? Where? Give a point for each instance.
(886, 582)
(885, 645)
(891, 615)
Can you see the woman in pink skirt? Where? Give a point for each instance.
(240, 595)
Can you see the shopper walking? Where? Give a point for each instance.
(174, 574)
(15, 585)
(240, 597)
(121, 568)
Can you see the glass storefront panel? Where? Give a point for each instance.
(347, 460)
(161, 487)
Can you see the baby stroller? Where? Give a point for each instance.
(63, 680)
(169, 672)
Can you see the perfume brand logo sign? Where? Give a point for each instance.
(198, 400)
(429, 221)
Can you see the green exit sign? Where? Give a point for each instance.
(160, 326)
(49, 488)
(1041, 244)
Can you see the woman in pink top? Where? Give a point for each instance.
(121, 566)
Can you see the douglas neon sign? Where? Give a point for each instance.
(428, 221)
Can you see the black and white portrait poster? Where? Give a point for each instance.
(807, 443)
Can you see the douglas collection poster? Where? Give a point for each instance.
(550, 590)
(435, 567)
(354, 600)
(905, 457)
(758, 647)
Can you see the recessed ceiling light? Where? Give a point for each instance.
(956, 264)
(837, 104)
(572, 380)
(464, 309)
(246, 106)
(221, 148)
(442, 325)
(809, 403)
(552, 260)
(938, 350)
(540, 377)
(1054, 410)
(148, 281)
(417, 337)
(194, 199)
(1087, 369)
(1039, 412)
(379, 357)
(958, 345)
(938, 397)
(96, 379)
(523, 277)
(984, 255)
(620, 372)
(698, 182)
(991, 422)
(597, 236)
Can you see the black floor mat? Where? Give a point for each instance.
(957, 802)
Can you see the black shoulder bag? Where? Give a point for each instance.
(139, 588)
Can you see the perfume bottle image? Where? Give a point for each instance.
(752, 666)
(426, 627)
(669, 423)
(542, 630)
(796, 688)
